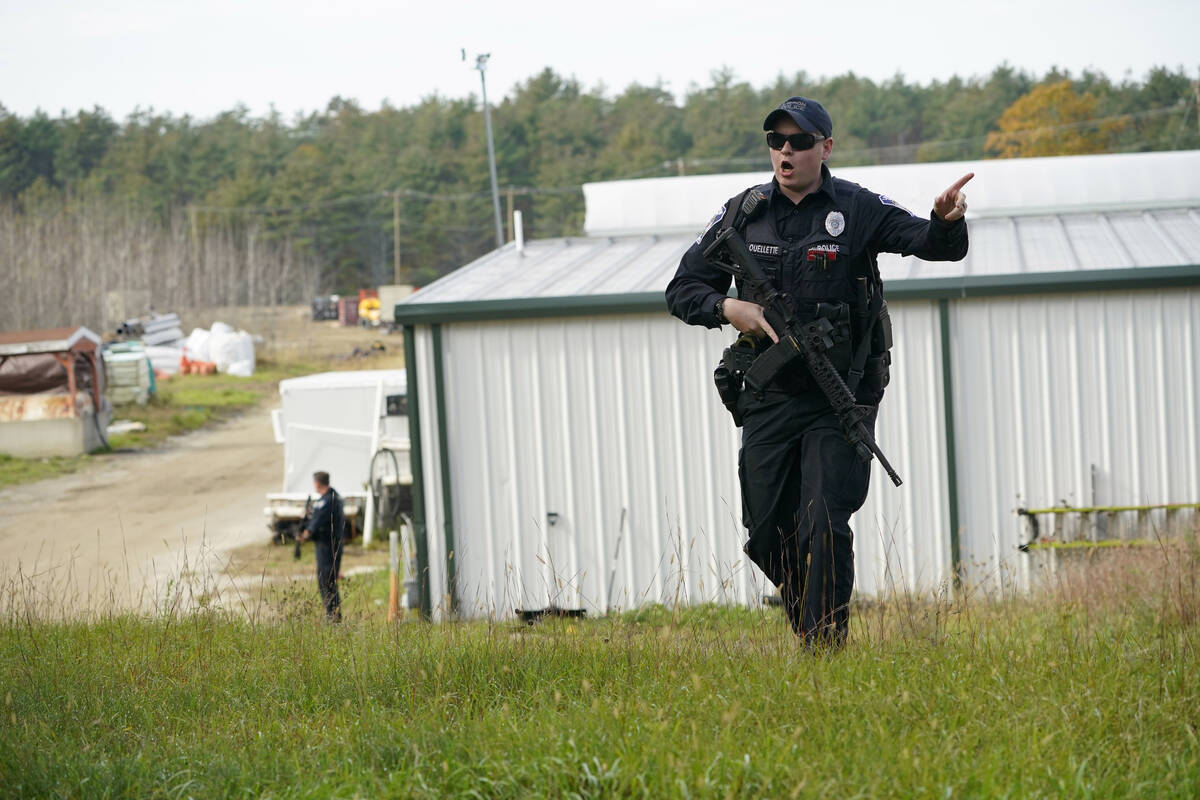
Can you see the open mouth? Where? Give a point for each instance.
(785, 168)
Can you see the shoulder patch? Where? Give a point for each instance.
(720, 215)
(887, 201)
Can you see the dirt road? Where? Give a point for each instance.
(134, 530)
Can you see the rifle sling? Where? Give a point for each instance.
(859, 362)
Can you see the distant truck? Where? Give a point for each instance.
(353, 425)
(325, 307)
(388, 297)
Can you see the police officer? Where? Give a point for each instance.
(817, 237)
(327, 528)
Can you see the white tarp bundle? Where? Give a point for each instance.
(196, 347)
(232, 351)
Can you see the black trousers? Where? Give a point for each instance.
(329, 563)
(801, 481)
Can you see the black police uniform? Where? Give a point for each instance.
(327, 528)
(800, 479)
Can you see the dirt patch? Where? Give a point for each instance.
(121, 535)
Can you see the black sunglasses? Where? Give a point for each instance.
(798, 141)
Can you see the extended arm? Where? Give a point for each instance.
(941, 237)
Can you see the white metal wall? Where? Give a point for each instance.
(1051, 390)
(612, 425)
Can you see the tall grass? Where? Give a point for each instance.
(1087, 688)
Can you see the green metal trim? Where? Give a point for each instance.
(1084, 544)
(418, 470)
(411, 313)
(951, 442)
(1044, 282)
(530, 307)
(1107, 509)
(439, 389)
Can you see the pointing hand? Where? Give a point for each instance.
(951, 204)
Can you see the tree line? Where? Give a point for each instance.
(210, 203)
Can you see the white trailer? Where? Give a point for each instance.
(353, 425)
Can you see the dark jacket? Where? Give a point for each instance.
(817, 247)
(328, 519)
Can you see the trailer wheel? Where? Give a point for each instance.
(385, 476)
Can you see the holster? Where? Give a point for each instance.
(729, 374)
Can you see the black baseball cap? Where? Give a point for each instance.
(808, 114)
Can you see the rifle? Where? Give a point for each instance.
(806, 342)
(302, 534)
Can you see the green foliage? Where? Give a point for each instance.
(323, 181)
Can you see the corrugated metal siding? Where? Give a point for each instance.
(1046, 389)
(612, 424)
(902, 536)
(566, 417)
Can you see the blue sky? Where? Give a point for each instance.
(204, 57)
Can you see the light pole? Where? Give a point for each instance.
(481, 61)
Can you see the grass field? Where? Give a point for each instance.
(1090, 688)
(15, 470)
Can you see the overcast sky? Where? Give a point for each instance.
(203, 57)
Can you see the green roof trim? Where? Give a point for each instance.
(416, 313)
(530, 307)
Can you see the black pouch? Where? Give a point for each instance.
(877, 374)
(881, 333)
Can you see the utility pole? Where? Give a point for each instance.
(481, 62)
(1196, 89)
(396, 236)
(509, 217)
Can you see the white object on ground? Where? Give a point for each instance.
(196, 348)
(241, 369)
(125, 426)
(228, 348)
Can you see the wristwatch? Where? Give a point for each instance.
(719, 311)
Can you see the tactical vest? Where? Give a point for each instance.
(819, 267)
(825, 277)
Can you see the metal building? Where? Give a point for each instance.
(570, 450)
